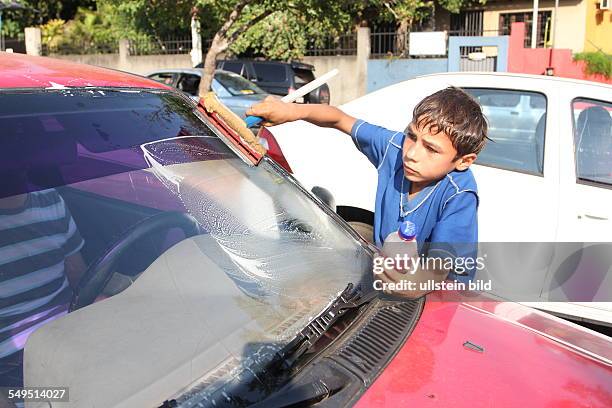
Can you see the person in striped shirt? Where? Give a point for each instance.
(40, 264)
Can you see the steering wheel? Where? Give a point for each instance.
(99, 272)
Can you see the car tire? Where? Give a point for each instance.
(361, 220)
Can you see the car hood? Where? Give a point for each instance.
(484, 353)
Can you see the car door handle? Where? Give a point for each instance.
(514, 113)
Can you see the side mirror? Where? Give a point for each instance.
(326, 196)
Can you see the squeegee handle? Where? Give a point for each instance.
(251, 121)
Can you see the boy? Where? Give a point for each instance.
(423, 172)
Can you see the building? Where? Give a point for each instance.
(582, 24)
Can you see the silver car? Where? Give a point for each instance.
(236, 92)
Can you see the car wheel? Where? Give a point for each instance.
(361, 220)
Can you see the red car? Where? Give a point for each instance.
(148, 257)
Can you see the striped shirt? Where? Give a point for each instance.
(35, 240)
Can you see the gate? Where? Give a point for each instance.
(465, 54)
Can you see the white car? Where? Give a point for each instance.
(546, 177)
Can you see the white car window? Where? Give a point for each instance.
(593, 141)
(517, 123)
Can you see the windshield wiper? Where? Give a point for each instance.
(348, 299)
(278, 368)
(303, 395)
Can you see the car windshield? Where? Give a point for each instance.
(237, 85)
(197, 265)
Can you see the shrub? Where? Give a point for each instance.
(596, 62)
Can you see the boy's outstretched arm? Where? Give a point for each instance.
(276, 112)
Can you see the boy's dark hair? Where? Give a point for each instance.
(457, 114)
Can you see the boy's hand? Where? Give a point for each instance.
(274, 111)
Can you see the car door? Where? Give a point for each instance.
(586, 212)
(584, 271)
(517, 172)
(517, 176)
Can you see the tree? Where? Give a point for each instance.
(406, 12)
(277, 28)
(88, 31)
(156, 19)
(237, 17)
(38, 12)
(286, 35)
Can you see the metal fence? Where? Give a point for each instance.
(388, 44)
(82, 47)
(17, 45)
(486, 64)
(392, 44)
(148, 46)
(334, 45)
(478, 33)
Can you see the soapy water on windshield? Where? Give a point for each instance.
(269, 239)
(275, 244)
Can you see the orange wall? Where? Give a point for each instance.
(536, 60)
(598, 28)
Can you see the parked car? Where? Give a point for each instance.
(545, 177)
(215, 279)
(237, 93)
(278, 78)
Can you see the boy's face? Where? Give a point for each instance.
(430, 156)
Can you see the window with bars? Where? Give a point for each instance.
(543, 25)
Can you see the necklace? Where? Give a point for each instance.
(405, 213)
(402, 212)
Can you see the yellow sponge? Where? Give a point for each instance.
(212, 104)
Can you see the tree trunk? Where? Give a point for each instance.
(218, 45)
(401, 39)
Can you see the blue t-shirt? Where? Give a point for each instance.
(445, 212)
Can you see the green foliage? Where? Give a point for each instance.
(153, 18)
(285, 33)
(38, 12)
(52, 33)
(277, 37)
(89, 31)
(596, 62)
(11, 29)
(408, 10)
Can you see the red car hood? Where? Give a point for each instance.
(517, 357)
(26, 71)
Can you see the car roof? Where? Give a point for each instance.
(26, 71)
(292, 64)
(515, 76)
(194, 71)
